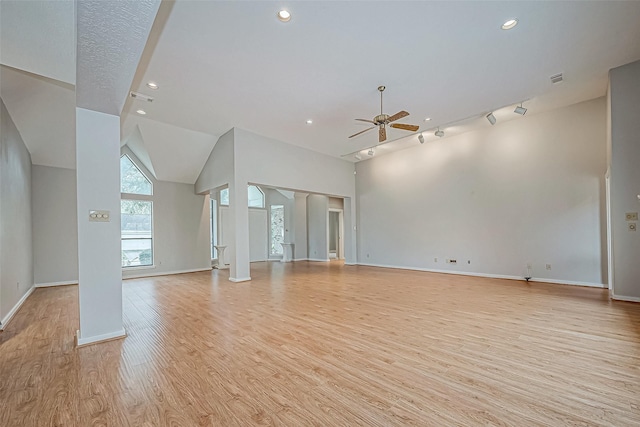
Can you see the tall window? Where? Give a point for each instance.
(277, 229)
(136, 215)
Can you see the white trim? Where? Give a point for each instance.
(240, 279)
(570, 282)
(301, 259)
(625, 298)
(491, 276)
(51, 284)
(318, 260)
(164, 273)
(81, 342)
(15, 308)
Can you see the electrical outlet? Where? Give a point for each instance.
(632, 226)
(452, 261)
(548, 266)
(435, 260)
(631, 216)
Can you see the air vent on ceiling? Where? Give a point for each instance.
(141, 96)
(556, 78)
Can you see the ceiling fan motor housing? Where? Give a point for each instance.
(381, 119)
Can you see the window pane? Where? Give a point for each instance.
(137, 252)
(132, 180)
(136, 229)
(277, 229)
(224, 197)
(256, 197)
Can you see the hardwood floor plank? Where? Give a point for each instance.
(326, 344)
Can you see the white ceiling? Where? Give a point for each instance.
(233, 64)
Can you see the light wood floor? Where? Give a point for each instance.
(326, 344)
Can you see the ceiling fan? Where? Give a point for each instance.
(382, 120)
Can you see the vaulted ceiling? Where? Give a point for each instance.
(234, 64)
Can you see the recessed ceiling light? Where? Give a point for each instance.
(428, 119)
(309, 122)
(284, 16)
(152, 85)
(141, 112)
(510, 24)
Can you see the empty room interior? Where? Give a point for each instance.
(294, 213)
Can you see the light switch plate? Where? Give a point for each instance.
(631, 216)
(99, 216)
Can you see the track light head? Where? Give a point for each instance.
(371, 152)
(439, 133)
(491, 118)
(421, 139)
(358, 156)
(520, 110)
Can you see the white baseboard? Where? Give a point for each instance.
(300, 259)
(239, 279)
(51, 284)
(164, 273)
(624, 298)
(569, 282)
(14, 310)
(81, 342)
(319, 259)
(491, 276)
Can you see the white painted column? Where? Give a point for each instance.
(99, 249)
(625, 180)
(239, 205)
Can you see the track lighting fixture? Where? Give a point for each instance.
(358, 156)
(439, 133)
(371, 153)
(491, 118)
(520, 110)
(421, 139)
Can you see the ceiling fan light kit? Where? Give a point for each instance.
(383, 120)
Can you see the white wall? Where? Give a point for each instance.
(16, 253)
(181, 229)
(317, 223)
(530, 190)
(55, 225)
(219, 168)
(625, 178)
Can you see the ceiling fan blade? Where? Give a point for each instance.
(365, 120)
(362, 131)
(382, 134)
(397, 116)
(402, 126)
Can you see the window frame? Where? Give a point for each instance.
(141, 172)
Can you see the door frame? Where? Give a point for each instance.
(340, 246)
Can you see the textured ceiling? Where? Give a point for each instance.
(111, 37)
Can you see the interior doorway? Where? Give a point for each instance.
(336, 231)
